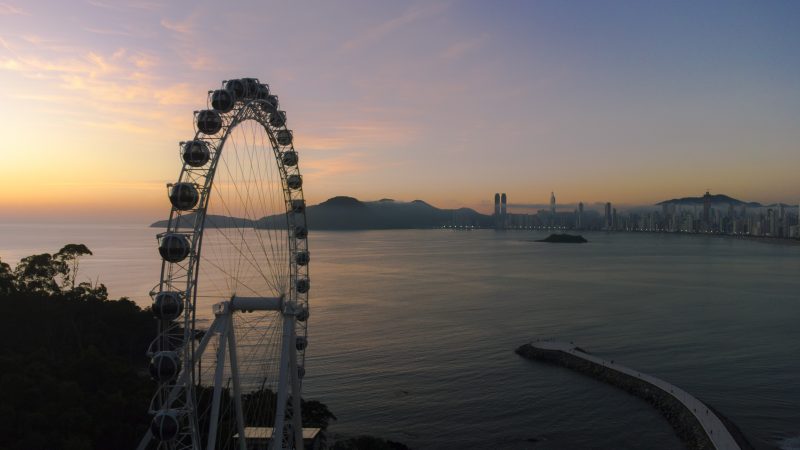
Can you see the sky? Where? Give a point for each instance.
(625, 101)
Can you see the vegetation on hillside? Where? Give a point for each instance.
(70, 366)
(73, 369)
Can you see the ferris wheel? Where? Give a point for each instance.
(232, 302)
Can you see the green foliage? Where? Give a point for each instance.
(316, 414)
(37, 274)
(86, 291)
(70, 255)
(73, 365)
(7, 285)
(73, 370)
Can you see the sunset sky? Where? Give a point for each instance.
(623, 101)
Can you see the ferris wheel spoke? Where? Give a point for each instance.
(277, 246)
(230, 275)
(234, 276)
(276, 254)
(250, 259)
(230, 213)
(253, 151)
(246, 203)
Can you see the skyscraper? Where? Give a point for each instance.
(552, 203)
(707, 211)
(580, 215)
(772, 222)
(496, 204)
(503, 204)
(608, 216)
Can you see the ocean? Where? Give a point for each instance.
(412, 332)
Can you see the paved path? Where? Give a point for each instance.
(713, 426)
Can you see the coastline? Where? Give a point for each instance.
(695, 430)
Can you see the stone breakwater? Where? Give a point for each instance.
(693, 421)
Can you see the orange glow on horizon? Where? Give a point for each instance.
(93, 111)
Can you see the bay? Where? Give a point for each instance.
(412, 332)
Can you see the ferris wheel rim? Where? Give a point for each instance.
(261, 111)
(199, 227)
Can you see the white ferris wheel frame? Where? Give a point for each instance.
(182, 276)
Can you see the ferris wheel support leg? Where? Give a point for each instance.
(145, 440)
(276, 443)
(297, 415)
(237, 390)
(212, 428)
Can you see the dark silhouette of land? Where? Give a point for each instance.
(73, 369)
(348, 213)
(716, 199)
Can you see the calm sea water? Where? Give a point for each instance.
(412, 332)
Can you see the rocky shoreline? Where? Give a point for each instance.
(686, 426)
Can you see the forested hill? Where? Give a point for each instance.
(72, 363)
(73, 369)
(348, 213)
(716, 199)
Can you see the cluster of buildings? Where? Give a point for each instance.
(778, 221)
(543, 219)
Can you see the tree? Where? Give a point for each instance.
(87, 291)
(70, 255)
(6, 279)
(36, 273)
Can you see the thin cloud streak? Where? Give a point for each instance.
(462, 48)
(11, 10)
(359, 135)
(412, 14)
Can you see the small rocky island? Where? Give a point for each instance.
(564, 238)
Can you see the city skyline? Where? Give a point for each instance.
(599, 204)
(724, 215)
(626, 100)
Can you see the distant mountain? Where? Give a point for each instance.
(212, 221)
(715, 199)
(348, 213)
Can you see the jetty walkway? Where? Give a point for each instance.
(713, 426)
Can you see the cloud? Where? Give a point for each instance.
(366, 134)
(145, 185)
(119, 6)
(120, 89)
(459, 49)
(340, 164)
(125, 126)
(107, 31)
(143, 60)
(185, 43)
(411, 15)
(184, 27)
(11, 10)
